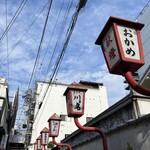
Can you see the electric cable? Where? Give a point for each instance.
(29, 27)
(7, 42)
(51, 38)
(61, 55)
(20, 8)
(22, 38)
(68, 36)
(40, 45)
(58, 39)
(39, 48)
(143, 9)
(59, 59)
(59, 36)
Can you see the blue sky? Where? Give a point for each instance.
(83, 59)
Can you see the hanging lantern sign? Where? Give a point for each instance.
(54, 125)
(35, 145)
(39, 146)
(121, 45)
(44, 136)
(75, 99)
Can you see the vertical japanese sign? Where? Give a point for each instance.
(129, 42)
(39, 146)
(110, 48)
(77, 101)
(55, 127)
(45, 137)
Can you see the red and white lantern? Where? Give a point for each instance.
(121, 45)
(39, 145)
(54, 125)
(75, 99)
(35, 145)
(44, 136)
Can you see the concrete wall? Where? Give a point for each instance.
(136, 135)
(126, 125)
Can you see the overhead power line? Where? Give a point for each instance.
(7, 42)
(60, 34)
(40, 45)
(13, 19)
(51, 40)
(68, 36)
(23, 105)
(24, 33)
(146, 5)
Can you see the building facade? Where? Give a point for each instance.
(53, 101)
(8, 111)
(4, 113)
(144, 18)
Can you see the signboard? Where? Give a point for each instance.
(122, 45)
(55, 127)
(111, 49)
(75, 98)
(39, 146)
(77, 101)
(45, 137)
(129, 42)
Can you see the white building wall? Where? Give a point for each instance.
(54, 102)
(4, 111)
(3, 100)
(145, 33)
(3, 87)
(144, 107)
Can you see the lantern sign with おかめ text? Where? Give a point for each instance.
(129, 42)
(122, 46)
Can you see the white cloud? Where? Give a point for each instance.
(83, 59)
(113, 83)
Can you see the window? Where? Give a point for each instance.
(66, 135)
(40, 104)
(65, 118)
(88, 119)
